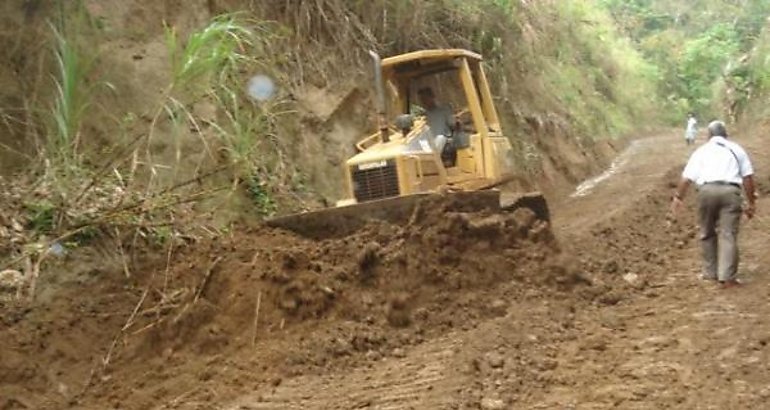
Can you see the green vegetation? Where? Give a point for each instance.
(592, 70)
(75, 59)
(75, 195)
(41, 216)
(260, 196)
(71, 99)
(203, 65)
(699, 48)
(704, 60)
(211, 55)
(751, 77)
(208, 67)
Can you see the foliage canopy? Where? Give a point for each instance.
(699, 46)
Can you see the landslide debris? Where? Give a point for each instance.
(260, 304)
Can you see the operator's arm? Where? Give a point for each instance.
(748, 189)
(449, 119)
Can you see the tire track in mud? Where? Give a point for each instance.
(420, 379)
(635, 171)
(682, 342)
(701, 351)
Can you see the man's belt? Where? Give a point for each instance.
(735, 184)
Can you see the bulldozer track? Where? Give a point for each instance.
(423, 378)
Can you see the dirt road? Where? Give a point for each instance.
(656, 338)
(452, 311)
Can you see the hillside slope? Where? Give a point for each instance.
(558, 71)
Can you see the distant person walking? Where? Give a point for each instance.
(692, 129)
(719, 169)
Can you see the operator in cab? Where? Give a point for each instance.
(440, 118)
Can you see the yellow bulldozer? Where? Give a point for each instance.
(406, 161)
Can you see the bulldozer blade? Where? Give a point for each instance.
(342, 221)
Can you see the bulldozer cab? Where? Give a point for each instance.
(404, 157)
(455, 77)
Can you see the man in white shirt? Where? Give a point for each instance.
(719, 169)
(692, 129)
(440, 118)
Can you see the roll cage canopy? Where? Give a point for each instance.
(400, 71)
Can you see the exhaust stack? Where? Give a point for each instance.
(382, 115)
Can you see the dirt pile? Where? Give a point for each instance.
(257, 305)
(383, 275)
(641, 237)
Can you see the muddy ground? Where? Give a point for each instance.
(453, 310)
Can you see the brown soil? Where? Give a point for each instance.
(258, 305)
(453, 310)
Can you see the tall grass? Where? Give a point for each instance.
(755, 95)
(208, 66)
(205, 61)
(212, 54)
(71, 98)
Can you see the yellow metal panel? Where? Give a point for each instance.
(419, 173)
(490, 166)
(430, 54)
(500, 162)
(478, 141)
(431, 183)
(397, 102)
(490, 113)
(349, 182)
(405, 178)
(474, 105)
(476, 148)
(466, 160)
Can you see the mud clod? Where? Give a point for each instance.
(399, 313)
(498, 307)
(368, 259)
(489, 403)
(495, 360)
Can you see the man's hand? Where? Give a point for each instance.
(750, 196)
(679, 192)
(749, 210)
(676, 205)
